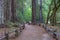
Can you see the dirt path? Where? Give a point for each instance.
(33, 32)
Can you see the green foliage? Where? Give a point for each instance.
(24, 10)
(25, 14)
(58, 16)
(45, 9)
(11, 24)
(20, 16)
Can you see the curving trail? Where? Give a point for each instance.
(34, 32)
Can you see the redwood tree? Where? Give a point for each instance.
(33, 11)
(13, 10)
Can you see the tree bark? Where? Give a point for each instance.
(7, 10)
(41, 15)
(33, 11)
(13, 10)
(1, 11)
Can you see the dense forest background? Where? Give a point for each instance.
(24, 10)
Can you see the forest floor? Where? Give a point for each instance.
(33, 32)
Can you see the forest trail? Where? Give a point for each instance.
(34, 32)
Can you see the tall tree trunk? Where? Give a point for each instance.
(1, 12)
(41, 15)
(7, 10)
(13, 10)
(33, 11)
(37, 9)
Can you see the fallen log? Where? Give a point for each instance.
(54, 33)
(57, 35)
